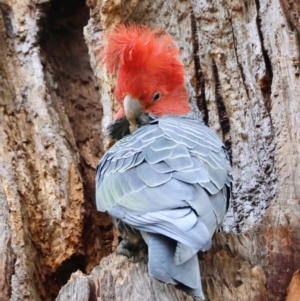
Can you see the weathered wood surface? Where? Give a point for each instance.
(118, 278)
(243, 60)
(77, 288)
(50, 143)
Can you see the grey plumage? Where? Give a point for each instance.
(170, 179)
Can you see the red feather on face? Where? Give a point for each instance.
(147, 62)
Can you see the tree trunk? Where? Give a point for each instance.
(243, 60)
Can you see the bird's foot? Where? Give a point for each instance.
(135, 252)
(126, 248)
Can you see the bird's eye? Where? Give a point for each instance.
(156, 96)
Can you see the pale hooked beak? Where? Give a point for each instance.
(132, 109)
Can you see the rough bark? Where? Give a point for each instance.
(50, 143)
(117, 278)
(243, 60)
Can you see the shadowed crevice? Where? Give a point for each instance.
(200, 83)
(75, 99)
(7, 16)
(62, 274)
(222, 113)
(266, 81)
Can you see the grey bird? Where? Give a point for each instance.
(168, 179)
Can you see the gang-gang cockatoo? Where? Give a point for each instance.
(168, 178)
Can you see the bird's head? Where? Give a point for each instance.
(150, 74)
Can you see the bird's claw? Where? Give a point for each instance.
(125, 248)
(134, 252)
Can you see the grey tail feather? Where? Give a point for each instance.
(161, 250)
(183, 253)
